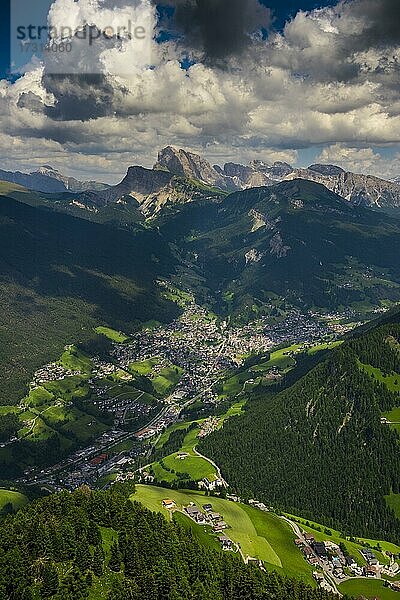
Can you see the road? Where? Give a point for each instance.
(328, 576)
(68, 463)
(224, 483)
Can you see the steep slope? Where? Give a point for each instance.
(358, 189)
(103, 545)
(232, 176)
(295, 239)
(61, 276)
(151, 190)
(364, 190)
(319, 447)
(192, 166)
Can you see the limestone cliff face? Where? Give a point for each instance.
(275, 171)
(364, 190)
(245, 176)
(138, 183)
(192, 166)
(151, 189)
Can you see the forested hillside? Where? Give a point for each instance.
(295, 240)
(60, 277)
(101, 545)
(321, 447)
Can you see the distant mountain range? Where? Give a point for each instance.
(358, 189)
(179, 176)
(49, 180)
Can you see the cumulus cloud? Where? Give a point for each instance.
(361, 160)
(316, 83)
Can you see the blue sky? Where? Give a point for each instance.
(5, 38)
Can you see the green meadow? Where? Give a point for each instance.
(9, 497)
(391, 381)
(260, 535)
(393, 500)
(322, 533)
(111, 334)
(370, 589)
(194, 466)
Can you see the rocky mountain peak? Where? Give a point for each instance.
(192, 166)
(328, 170)
(276, 171)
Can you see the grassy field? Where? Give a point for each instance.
(144, 367)
(392, 381)
(102, 585)
(368, 589)
(195, 466)
(111, 334)
(162, 381)
(261, 535)
(394, 502)
(326, 346)
(15, 498)
(75, 360)
(201, 533)
(234, 411)
(167, 379)
(393, 416)
(166, 434)
(280, 359)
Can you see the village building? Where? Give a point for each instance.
(310, 539)
(225, 542)
(220, 526)
(320, 550)
(194, 513)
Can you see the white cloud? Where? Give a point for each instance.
(361, 160)
(307, 86)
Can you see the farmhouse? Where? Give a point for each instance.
(370, 571)
(310, 539)
(225, 542)
(168, 504)
(207, 507)
(215, 516)
(320, 550)
(220, 526)
(182, 455)
(350, 562)
(395, 586)
(194, 513)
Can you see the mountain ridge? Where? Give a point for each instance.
(49, 180)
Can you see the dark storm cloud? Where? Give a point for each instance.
(79, 96)
(220, 28)
(382, 19)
